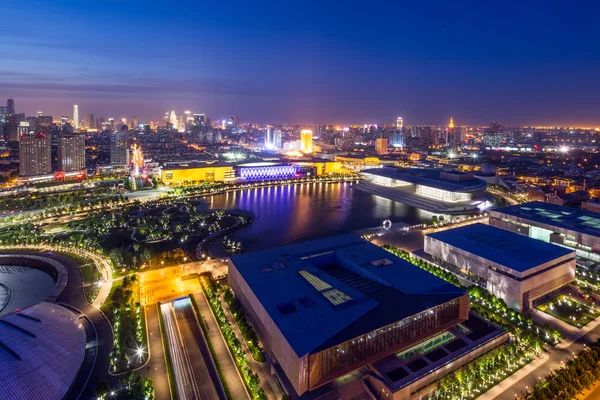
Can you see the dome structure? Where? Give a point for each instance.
(487, 169)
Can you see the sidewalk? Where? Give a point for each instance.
(263, 369)
(514, 378)
(569, 332)
(232, 377)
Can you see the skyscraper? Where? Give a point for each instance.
(10, 107)
(277, 139)
(71, 153)
(173, 119)
(269, 138)
(119, 151)
(34, 155)
(76, 116)
(306, 145)
(381, 145)
(399, 123)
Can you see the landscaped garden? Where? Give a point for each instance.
(123, 309)
(250, 378)
(569, 310)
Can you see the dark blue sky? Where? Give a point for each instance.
(524, 62)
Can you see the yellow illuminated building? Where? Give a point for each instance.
(195, 174)
(381, 145)
(306, 145)
(358, 161)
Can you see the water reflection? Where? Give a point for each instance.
(293, 213)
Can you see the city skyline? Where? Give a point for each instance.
(273, 63)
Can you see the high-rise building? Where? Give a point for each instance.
(399, 123)
(173, 119)
(24, 128)
(3, 115)
(71, 153)
(381, 145)
(277, 139)
(119, 151)
(306, 145)
(269, 138)
(40, 113)
(200, 119)
(34, 155)
(451, 124)
(397, 139)
(76, 116)
(10, 107)
(135, 124)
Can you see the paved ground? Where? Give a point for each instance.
(156, 368)
(204, 372)
(236, 386)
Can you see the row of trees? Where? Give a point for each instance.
(566, 383)
(130, 387)
(250, 378)
(242, 322)
(478, 376)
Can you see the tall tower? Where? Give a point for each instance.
(10, 107)
(71, 153)
(306, 141)
(451, 124)
(173, 119)
(119, 151)
(399, 123)
(34, 155)
(269, 139)
(76, 116)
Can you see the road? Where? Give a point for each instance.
(182, 365)
(205, 374)
(156, 368)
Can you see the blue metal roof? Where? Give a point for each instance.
(564, 217)
(323, 292)
(506, 248)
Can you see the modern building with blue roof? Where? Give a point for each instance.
(434, 190)
(565, 226)
(327, 307)
(517, 269)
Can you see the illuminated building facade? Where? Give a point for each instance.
(399, 123)
(34, 155)
(450, 192)
(306, 141)
(119, 150)
(328, 307)
(381, 145)
(516, 269)
(76, 116)
(260, 171)
(71, 153)
(173, 120)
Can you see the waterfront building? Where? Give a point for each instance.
(520, 271)
(434, 190)
(71, 153)
(341, 306)
(306, 141)
(34, 155)
(552, 223)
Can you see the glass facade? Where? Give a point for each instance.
(443, 195)
(335, 361)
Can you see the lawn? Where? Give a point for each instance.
(107, 306)
(569, 310)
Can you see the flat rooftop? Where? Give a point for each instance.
(428, 177)
(324, 292)
(574, 219)
(509, 249)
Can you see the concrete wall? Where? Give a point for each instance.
(295, 368)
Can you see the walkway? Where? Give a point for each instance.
(263, 369)
(232, 377)
(156, 367)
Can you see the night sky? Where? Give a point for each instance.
(333, 61)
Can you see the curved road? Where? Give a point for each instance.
(73, 296)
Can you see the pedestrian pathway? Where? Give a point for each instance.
(514, 378)
(232, 377)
